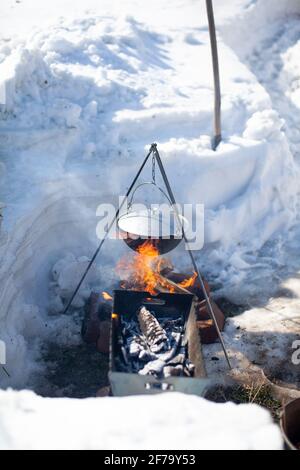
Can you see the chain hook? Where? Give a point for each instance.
(153, 169)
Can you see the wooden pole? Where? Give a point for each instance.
(217, 87)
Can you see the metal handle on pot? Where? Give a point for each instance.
(129, 204)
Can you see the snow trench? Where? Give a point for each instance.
(82, 103)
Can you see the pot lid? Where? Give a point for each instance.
(151, 223)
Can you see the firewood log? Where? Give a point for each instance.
(155, 335)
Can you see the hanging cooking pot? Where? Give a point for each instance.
(158, 225)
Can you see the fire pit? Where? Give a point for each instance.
(147, 271)
(156, 326)
(155, 344)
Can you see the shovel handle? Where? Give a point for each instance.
(215, 63)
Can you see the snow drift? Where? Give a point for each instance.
(165, 421)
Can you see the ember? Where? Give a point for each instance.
(189, 282)
(106, 296)
(153, 348)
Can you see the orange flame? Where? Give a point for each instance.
(148, 249)
(141, 272)
(106, 296)
(137, 271)
(189, 282)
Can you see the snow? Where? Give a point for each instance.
(264, 336)
(29, 15)
(165, 421)
(260, 16)
(291, 74)
(267, 330)
(82, 96)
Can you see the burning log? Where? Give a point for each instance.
(157, 365)
(155, 335)
(205, 324)
(162, 280)
(153, 368)
(155, 348)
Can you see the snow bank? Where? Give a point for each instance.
(290, 75)
(42, 270)
(165, 421)
(242, 205)
(120, 86)
(255, 22)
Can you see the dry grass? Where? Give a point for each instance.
(259, 395)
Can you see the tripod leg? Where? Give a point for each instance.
(108, 230)
(206, 296)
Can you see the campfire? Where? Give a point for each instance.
(151, 344)
(159, 319)
(146, 271)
